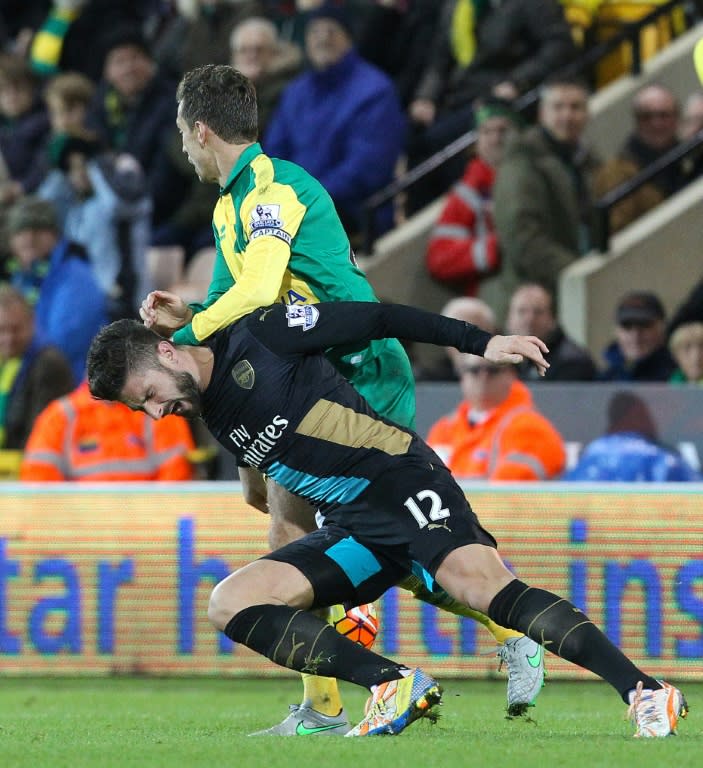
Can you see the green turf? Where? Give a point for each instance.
(191, 723)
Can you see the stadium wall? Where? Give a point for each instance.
(101, 581)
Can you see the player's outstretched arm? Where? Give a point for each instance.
(164, 312)
(315, 327)
(504, 350)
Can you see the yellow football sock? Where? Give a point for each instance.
(322, 694)
(501, 634)
(446, 603)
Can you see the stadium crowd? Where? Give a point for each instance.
(99, 206)
(104, 217)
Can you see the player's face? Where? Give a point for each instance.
(160, 391)
(197, 153)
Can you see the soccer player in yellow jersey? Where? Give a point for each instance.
(279, 239)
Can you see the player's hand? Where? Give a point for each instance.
(164, 312)
(514, 349)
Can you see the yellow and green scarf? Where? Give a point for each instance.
(47, 45)
(463, 29)
(8, 374)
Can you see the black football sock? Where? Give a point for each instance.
(302, 641)
(560, 627)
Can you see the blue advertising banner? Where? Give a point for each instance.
(100, 580)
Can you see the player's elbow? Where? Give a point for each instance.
(264, 296)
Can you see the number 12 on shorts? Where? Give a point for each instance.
(435, 511)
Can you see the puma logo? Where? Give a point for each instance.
(444, 525)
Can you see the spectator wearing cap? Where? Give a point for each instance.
(639, 351)
(134, 108)
(55, 276)
(463, 245)
(102, 204)
(353, 112)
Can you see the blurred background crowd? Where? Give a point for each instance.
(484, 105)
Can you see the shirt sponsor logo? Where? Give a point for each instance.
(243, 374)
(255, 448)
(305, 316)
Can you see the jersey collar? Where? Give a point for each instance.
(244, 159)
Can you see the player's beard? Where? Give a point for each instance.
(189, 393)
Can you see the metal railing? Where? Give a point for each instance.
(603, 206)
(580, 65)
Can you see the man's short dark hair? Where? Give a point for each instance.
(221, 97)
(564, 81)
(118, 350)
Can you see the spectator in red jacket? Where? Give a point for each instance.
(463, 247)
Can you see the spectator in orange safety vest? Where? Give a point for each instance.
(78, 438)
(496, 433)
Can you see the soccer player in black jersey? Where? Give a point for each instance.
(390, 506)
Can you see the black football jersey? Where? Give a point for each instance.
(278, 404)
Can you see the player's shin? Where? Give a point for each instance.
(563, 629)
(302, 641)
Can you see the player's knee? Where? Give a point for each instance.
(226, 601)
(473, 575)
(477, 593)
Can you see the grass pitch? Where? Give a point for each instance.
(144, 723)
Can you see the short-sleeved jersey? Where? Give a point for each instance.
(272, 212)
(278, 405)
